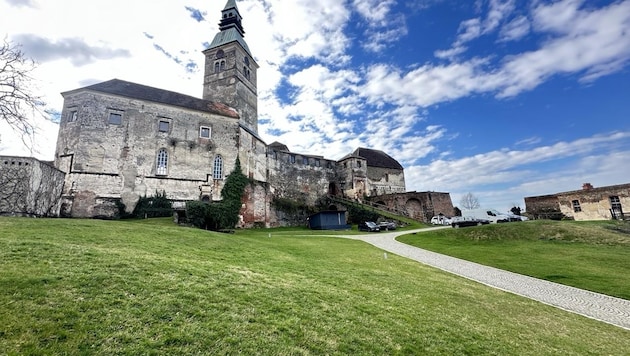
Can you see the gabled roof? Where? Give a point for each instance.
(376, 158)
(279, 146)
(143, 92)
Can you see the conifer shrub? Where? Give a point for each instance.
(221, 215)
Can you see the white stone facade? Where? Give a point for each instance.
(119, 141)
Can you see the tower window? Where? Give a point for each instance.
(217, 172)
(204, 132)
(219, 66)
(115, 118)
(72, 115)
(164, 126)
(246, 60)
(576, 206)
(161, 164)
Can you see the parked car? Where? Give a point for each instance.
(440, 220)
(369, 226)
(387, 225)
(463, 221)
(491, 215)
(514, 217)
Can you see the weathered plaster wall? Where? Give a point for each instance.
(93, 150)
(232, 85)
(385, 181)
(29, 187)
(595, 204)
(298, 177)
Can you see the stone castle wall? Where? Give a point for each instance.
(29, 187)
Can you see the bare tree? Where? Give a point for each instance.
(18, 105)
(469, 201)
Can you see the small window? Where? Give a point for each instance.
(576, 206)
(164, 126)
(204, 132)
(305, 160)
(216, 67)
(222, 63)
(615, 203)
(217, 171)
(115, 118)
(318, 163)
(161, 165)
(291, 158)
(73, 115)
(246, 60)
(359, 164)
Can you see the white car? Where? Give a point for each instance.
(440, 220)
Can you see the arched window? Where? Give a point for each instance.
(217, 172)
(161, 164)
(216, 67)
(222, 65)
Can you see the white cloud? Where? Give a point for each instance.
(515, 29)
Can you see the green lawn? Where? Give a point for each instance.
(588, 255)
(149, 288)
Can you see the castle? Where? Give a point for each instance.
(119, 141)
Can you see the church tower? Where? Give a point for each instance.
(230, 69)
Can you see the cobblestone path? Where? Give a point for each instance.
(597, 306)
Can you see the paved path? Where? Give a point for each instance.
(597, 306)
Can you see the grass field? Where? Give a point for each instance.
(149, 287)
(588, 255)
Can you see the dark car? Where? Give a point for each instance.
(369, 226)
(387, 225)
(463, 221)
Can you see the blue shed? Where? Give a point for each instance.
(328, 220)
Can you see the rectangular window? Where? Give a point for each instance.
(305, 161)
(115, 118)
(72, 115)
(576, 206)
(291, 158)
(164, 126)
(204, 132)
(318, 163)
(615, 202)
(359, 164)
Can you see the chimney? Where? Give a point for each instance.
(587, 186)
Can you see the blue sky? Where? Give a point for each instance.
(503, 99)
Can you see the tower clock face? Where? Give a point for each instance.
(220, 53)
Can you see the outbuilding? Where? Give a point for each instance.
(328, 220)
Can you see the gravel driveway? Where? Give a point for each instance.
(597, 306)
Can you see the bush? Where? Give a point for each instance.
(153, 207)
(357, 214)
(221, 215)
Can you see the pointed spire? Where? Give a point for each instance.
(231, 18)
(230, 4)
